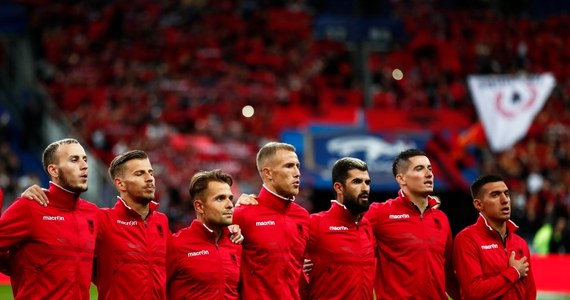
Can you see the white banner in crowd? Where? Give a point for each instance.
(507, 104)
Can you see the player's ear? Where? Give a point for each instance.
(478, 204)
(199, 206)
(267, 173)
(53, 171)
(338, 188)
(119, 183)
(400, 179)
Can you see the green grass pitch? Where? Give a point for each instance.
(6, 292)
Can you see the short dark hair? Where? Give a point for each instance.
(49, 157)
(118, 163)
(200, 180)
(342, 166)
(481, 181)
(401, 161)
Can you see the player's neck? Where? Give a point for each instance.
(216, 229)
(270, 188)
(498, 226)
(420, 201)
(356, 215)
(141, 208)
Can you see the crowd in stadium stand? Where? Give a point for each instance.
(171, 77)
(9, 164)
(12, 179)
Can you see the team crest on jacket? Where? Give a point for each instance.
(90, 225)
(437, 223)
(159, 228)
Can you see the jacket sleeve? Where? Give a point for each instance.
(529, 280)
(5, 262)
(473, 284)
(372, 215)
(1, 201)
(15, 224)
(451, 283)
(3, 254)
(313, 237)
(303, 286)
(101, 233)
(171, 259)
(312, 246)
(15, 227)
(239, 219)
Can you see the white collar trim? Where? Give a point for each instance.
(279, 196)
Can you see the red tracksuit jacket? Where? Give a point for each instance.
(198, 267)
(51, 247)
(131, 253)
(1, 201)
(481, 260)
(343, 256)
(276, 233)
(4, 255)
(414, 250)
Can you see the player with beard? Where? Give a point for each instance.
(341, 244)
(413, 236)
(131, 240)
(51, 248)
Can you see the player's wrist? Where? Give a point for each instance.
(519, 273)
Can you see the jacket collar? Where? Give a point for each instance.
(279, 196)
(432, 202)
(122, 206)
(482, 223)
(208, 234)
(340, 212)
(62, 198)
(269, 199)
